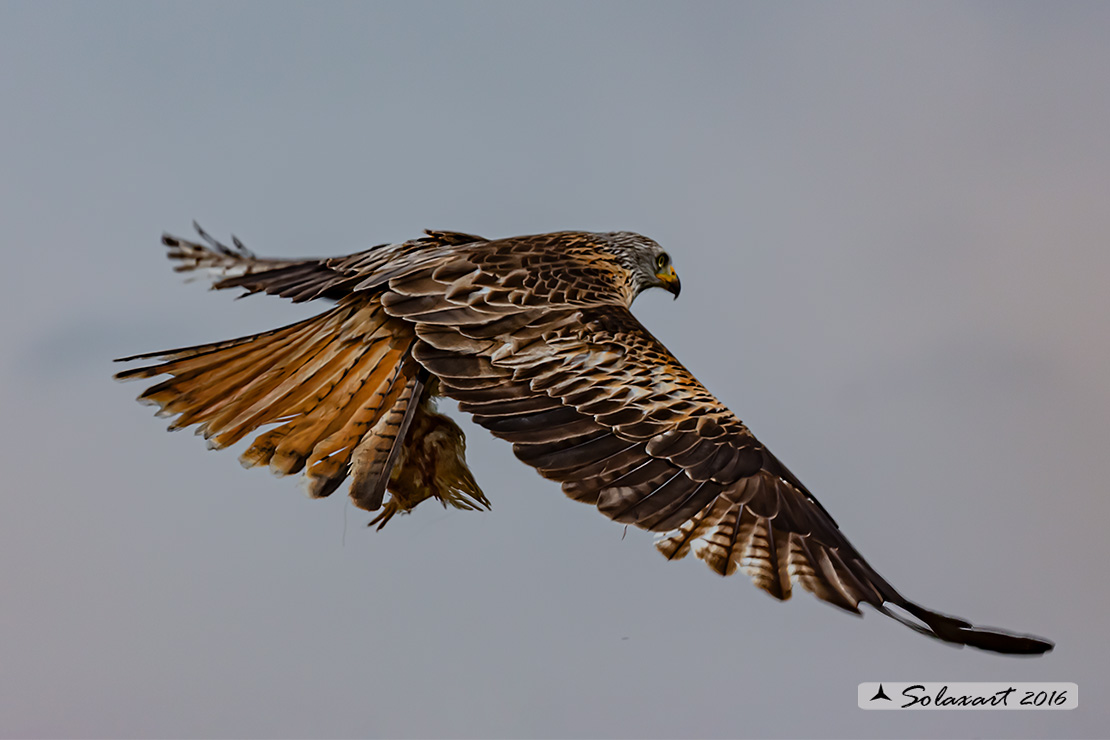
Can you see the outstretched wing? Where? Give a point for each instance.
(591, 399)
(308, 279)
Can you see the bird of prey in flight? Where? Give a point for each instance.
(532, 336)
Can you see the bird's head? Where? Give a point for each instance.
(648, 264)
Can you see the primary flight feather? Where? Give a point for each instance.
(533, 336)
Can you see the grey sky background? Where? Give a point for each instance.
(891, 225)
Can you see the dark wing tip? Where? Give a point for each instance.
(960, 632)
(1009, 643)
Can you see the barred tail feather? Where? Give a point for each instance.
(376, 455)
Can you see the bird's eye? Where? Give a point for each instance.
(662, 260)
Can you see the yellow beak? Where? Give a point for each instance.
(669, 280)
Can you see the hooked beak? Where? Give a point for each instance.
(669, 281)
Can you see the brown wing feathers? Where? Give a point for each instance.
(309, 279)
(590, 399)
(325, 382)
(533, 338)
(374, 459)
